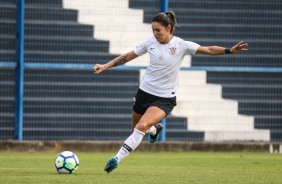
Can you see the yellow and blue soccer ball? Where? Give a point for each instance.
(66, 162)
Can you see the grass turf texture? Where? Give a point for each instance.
(139, 167)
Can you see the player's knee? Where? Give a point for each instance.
(142, 126)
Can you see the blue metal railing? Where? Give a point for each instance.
(163, 8)
(19, 71)
(124, 67)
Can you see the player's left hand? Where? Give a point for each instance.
(239, 47)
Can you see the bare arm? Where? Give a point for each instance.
(120, 60)
(216, 50)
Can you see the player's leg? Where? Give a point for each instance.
(151, 123)
(152, 116)
(135, 119)
(153, 130)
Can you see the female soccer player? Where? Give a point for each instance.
(155, 97)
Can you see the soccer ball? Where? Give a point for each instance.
(66, 162)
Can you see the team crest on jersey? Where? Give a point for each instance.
(172, 50)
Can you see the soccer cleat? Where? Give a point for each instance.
(154, 138)
(111, 165)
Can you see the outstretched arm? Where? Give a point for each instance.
(216, 50)
(120, 60)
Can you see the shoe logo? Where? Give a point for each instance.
(151, 48)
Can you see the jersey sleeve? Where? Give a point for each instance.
(142, 48)
(191, 47)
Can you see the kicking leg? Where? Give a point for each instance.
(152, 116)
(153, 130)
(135, 119)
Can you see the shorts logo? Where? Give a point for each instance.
(172, 50)
(133, 100)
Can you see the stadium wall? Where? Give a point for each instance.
(112, 146)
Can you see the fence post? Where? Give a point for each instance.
(19, 85)
(162, 137)
(164, 5)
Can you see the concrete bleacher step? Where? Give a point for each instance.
(9, 103)
(46, 28)
(245, 78)
(268, 122)
(54, 14)
(252, 135)
(214, 108)
(7, 44)
(39, 13)
(47, 105)
(70, 44)
(243, 61)
(7, 134)
(176, 122)
(249, 92)
(65, 57)
(71, 57)
(224, 123)
(85, 91)
(184, 135)
(260, 108)
(216, 16)
(66, 44)
(78, 124)
(200, 97)
(44, 3)
(198, 32)
(210, 89)
(8, 27)
(213, 4)
(221, 5)
(73, 134)
(8, 2)
(276, 135)
(81, 76)
(192, 78)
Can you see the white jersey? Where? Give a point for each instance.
(161, 77)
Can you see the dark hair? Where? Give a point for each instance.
(166, 19)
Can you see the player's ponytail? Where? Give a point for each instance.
(165, 19)
(172, 18)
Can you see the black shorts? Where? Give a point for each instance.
(144, 100)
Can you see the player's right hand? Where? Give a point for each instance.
(98, 68)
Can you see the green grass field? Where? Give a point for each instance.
(139, 167)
